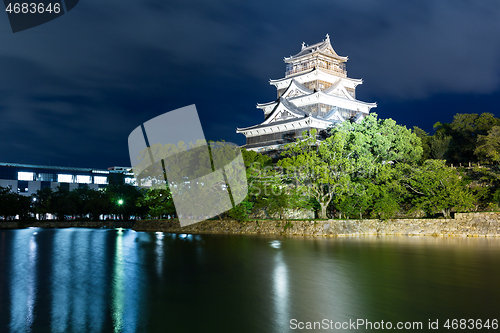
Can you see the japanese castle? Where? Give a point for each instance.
(315, 93)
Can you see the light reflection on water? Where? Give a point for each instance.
(94, 280)
(281, 290)
(118, 286)
(126, 283)
(24, 282)
(61, 289)
(159, 253)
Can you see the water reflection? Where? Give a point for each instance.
(276, 244)
(159, 254)
(118, 285)
(61, 281)
(23, 281)
(311, 281)
(127, 289)
(78, 271)
(281, 291)
(78, 274)
(79, 302)
(93, 280)
(98, 278)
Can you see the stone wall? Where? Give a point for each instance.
(295, 214)
(465, 225)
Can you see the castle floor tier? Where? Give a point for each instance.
(315, 93)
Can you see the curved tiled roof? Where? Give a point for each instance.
(321, 46)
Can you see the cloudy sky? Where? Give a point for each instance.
(73, 89)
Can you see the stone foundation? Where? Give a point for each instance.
(463, 225)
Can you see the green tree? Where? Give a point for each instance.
(12, 204)
(23, 207)
(356, 200)
(258, 167)
(5, 202)
(436, 187)
(484, 182)
(123, 200)
(97, 203)
(464, 131)
(488, 146)
(43, 202)
(322, 169)
(158, 202)
(62, 204)
(439, 145)
(386, 203)
(424, 141)
(381, 140)
(255, 161)
(276, 194)
(352, 153)
(241, 211)
(387, 192)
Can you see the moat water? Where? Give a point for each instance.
(107, 280)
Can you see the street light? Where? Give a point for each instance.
(120, 203)
(33, 206)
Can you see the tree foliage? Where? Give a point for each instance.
(488, 146)
(322, 169)
(463, 134)
(374, 168)
(436, 187)
(158, 202)
(342, 166)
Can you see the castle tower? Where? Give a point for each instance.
(315, 93)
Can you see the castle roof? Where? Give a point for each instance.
(316, 73)
(286, 112)
(323, 47)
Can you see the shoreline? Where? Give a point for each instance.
(463, 225)
(483, 225)
(65, 224)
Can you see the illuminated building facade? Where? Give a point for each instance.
(26, 179)
(315, 93)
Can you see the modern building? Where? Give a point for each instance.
(315, 93)
(26, 179)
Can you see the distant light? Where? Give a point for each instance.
(100, 180)
(100, 171)
(120, 202)
(29, 176)
(83, 179)
(34, 199)
(62, 178)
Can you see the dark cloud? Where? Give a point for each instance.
(73, 89)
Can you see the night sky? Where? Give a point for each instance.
(73, 89)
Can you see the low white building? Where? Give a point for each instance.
(26, 179)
